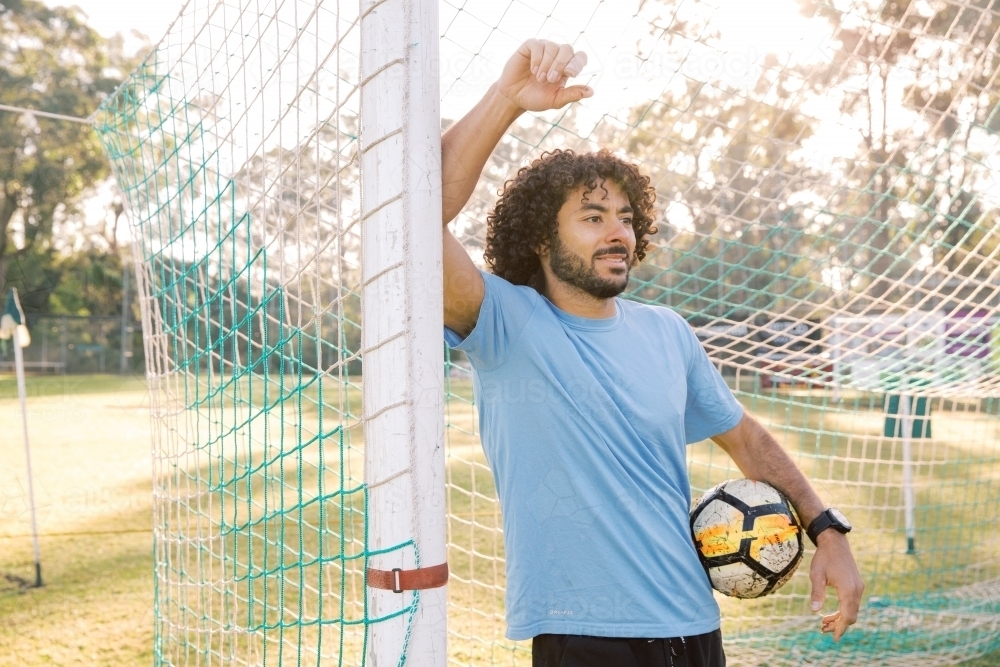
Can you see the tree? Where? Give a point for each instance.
(89, 282)
(725, 149)
(754, 224)
(922, 178)
(50, 61)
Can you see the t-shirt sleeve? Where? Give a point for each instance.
(505, 311)
(711, 407)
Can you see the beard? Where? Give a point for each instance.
(573, 269)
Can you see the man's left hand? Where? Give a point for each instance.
(833, 565)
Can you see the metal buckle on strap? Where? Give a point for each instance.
(396, 586)
(398, 580)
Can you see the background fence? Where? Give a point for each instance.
(79, 344)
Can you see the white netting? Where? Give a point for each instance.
(234, 144)
(827, 173)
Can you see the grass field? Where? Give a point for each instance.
(91, 449)
(91, 458)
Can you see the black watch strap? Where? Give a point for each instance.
(825, 520)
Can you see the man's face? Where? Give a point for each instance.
(595, 243)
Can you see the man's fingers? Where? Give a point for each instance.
(818, 578)
(533, 49)
(849, 597)
(563, 56)
(576, 64)
(828, 623)
(839, 628)
(550, 51)
(850, 602)
(572, 94)
(833, 565)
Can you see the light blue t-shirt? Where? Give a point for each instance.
(584, 424)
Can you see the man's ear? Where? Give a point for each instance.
(542, 249)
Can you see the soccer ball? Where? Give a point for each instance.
(747, 537)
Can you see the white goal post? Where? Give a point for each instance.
(402, 346)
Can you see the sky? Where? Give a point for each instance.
(112, 16)
(742, 20)
(748, 27)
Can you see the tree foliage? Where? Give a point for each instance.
(923, 178)
(756, 223)
(50, 60)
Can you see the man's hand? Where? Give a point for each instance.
(833, 565)
(759, 456)
(534, 79)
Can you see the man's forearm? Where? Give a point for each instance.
(468, 144)
(760, 457)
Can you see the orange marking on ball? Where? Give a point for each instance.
(725, 539)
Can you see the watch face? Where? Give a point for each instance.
(840, 518)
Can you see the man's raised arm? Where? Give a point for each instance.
(534, 79)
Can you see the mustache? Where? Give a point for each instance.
(614, 250)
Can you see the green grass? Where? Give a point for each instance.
(91, 449)
(56, 386)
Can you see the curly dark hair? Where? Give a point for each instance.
(524, 217)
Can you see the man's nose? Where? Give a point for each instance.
(617, 234)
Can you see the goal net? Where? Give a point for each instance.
(827, 177)
(281, 166)
(827, 174)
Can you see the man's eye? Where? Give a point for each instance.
(594, 218)
(627, 221)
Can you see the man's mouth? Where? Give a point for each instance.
(613, 258)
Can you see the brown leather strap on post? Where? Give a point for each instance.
(398, 580)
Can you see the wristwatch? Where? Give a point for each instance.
(830, 518)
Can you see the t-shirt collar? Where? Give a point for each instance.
(589, 323)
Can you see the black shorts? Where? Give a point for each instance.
(584, 651)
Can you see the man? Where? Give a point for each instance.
(587, 401)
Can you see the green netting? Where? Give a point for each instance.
(236, 157)
(827, 173)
